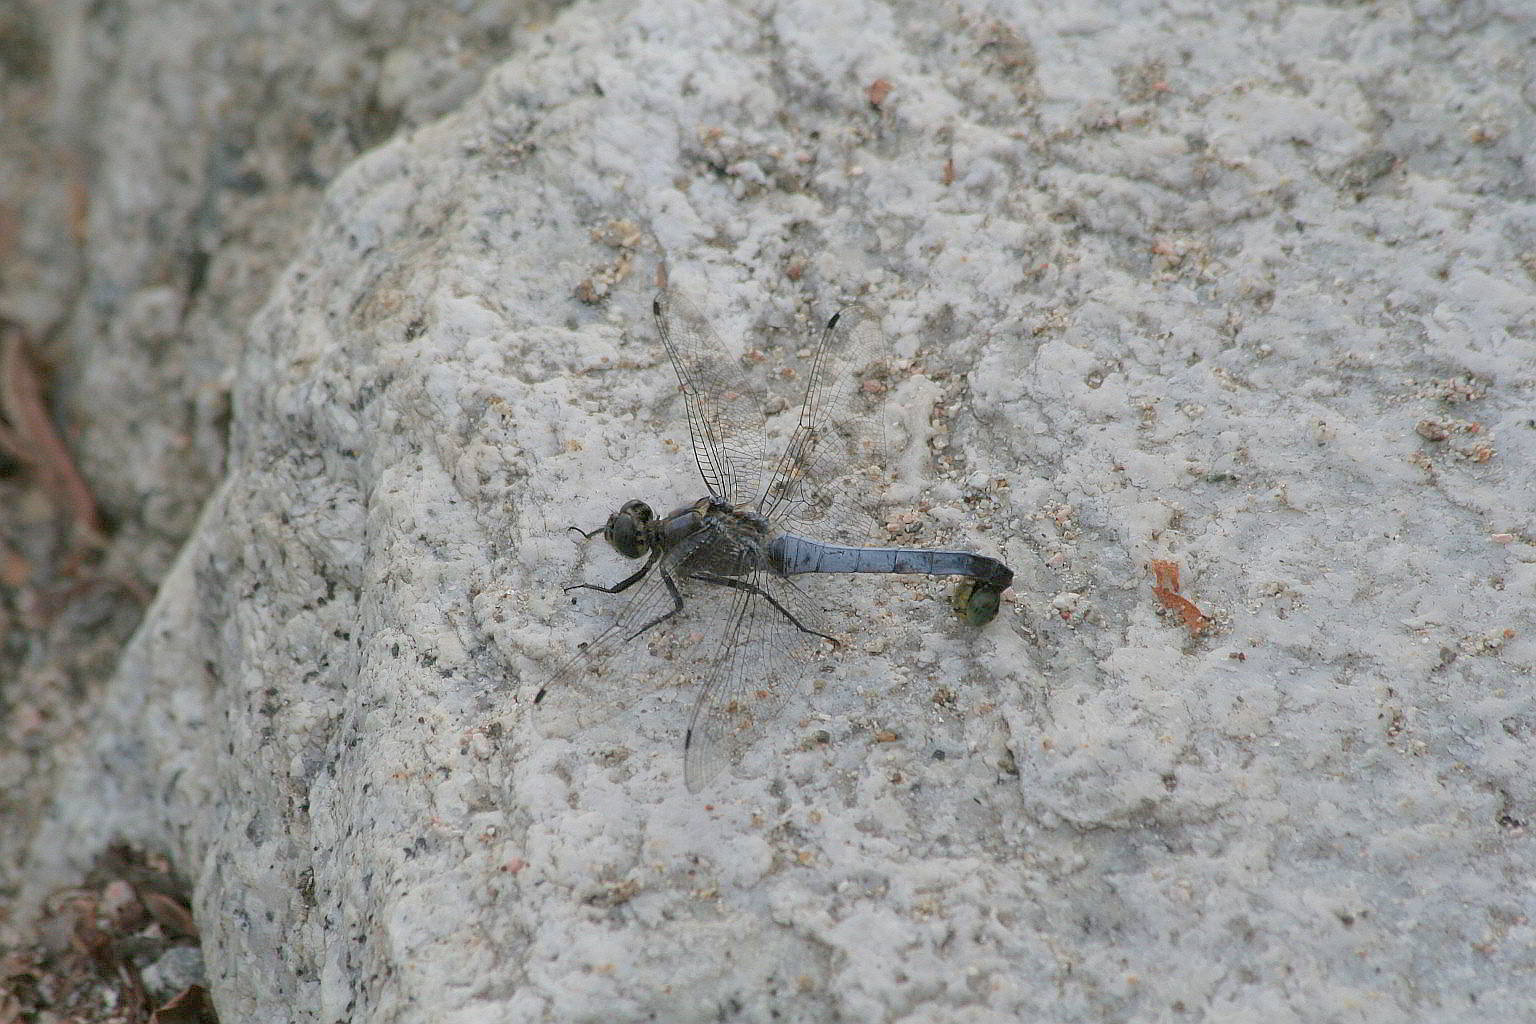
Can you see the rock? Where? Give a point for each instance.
(178, 969)
(1111, 251)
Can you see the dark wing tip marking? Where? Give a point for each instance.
(656, 306)
(835, 317)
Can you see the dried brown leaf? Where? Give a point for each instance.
(31, 438)
(1165, 586)
(94, 944)
(172, 914)
(191, 1006)
(10, 1009)
(15, 570)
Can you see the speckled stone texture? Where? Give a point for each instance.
(160, 164)
(1245, 288)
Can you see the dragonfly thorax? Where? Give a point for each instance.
(713, 536)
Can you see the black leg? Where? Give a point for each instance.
(734, 584)
(621, 586)
(677, 606)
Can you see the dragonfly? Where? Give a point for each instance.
(720, 594)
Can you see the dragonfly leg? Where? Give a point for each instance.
(734, 584)
(677, 605)
(621, 586)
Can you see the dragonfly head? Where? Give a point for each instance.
(626, 530)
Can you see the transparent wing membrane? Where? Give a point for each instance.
(817, 488)
(725, 412)
(761, 661)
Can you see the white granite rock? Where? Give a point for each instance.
(160, 164)
(1245, 289)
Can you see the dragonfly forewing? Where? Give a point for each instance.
(592, 686)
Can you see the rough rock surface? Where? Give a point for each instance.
(160, 163)
(1247, 290)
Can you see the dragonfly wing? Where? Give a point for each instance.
(635, 655)
(815, 490)
(761, 658)
(591, 685)
(725, 413)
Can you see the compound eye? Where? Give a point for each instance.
(625, 530)
(638, 510)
